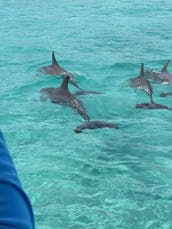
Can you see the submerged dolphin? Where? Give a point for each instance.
(94, 125)
(152, 106)
(56, 69)
(162, 76)
(63, 96)
(141, 83)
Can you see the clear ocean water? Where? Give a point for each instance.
(100, 179)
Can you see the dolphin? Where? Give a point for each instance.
(152, 106)
(55, 69)
(63, 96)
(141, 83)
(94, 125)
(162, 76)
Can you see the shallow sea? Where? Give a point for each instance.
(104, 178)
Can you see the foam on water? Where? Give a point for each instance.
(101, 178)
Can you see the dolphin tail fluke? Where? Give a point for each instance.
(54, 61)
(142, 70)
(164, 69)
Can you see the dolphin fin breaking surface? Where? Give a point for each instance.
(141, 83)
(142, 70)
(63, 96)
(54, 61)
(164, 69)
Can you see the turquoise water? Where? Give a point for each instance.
(105, 178)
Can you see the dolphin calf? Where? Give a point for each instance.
(63, 96)
(94, 125)
(162, 76)
(55, 69)
(141, 83)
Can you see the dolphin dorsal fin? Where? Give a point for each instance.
(54, 61)
(164, 69)
(65, 82)
(142, 70)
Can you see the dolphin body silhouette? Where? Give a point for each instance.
(94, 125)
(55, 69)
(141, 83)
(63, 96)
(162, 76)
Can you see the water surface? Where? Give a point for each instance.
(102, 178)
